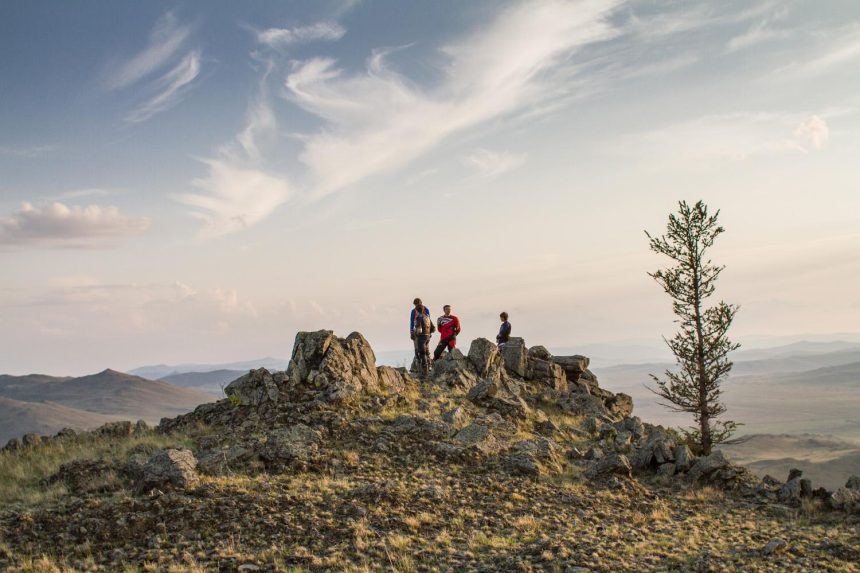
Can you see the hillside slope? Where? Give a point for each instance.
(18, 418)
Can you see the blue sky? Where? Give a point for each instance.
(197, 181)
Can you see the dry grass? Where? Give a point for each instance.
(22, 473)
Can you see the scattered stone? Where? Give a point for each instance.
(295, 446)
(13, 445)
(457, 418)
(846, 499)
(115, 429)
(705, 466)
(667, 469)
(774, 546)
(611, 464)
(534, 457)
(86, 476)
(255, 388)
(169, 468)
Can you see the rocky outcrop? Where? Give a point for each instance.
(256, 388)
(337, 369)
(515, 356)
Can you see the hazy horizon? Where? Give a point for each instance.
(195, 182)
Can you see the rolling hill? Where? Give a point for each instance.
(18, 418)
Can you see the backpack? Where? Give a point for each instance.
(423, 325)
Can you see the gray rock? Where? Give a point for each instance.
(253, 389)
(790, 491)
(582, 405)
(458, 417)
(611, 464)
(422, 429)
(534, 457)
(515, 356)
(513, 407)
(66, 434)
(794, 473)
(452, 361)
(477, 438)
(573, 366)
(31, 440)
(13, 445)
(666, 470)
(540, 353)
(486, 388)
(549, 373)
(774, 546)
(169, 468)
(224, 461)
(619, 404)
(683, 457)
(705, 466)
(485, 357)
(341, 369)
(295, 446)
(393, 380)
(658, 449)
(853, 483)
(846, 499)
(594, 453)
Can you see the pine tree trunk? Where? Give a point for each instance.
(704, 419)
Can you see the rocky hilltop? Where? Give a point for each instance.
(501, 460)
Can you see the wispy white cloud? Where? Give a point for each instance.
(490, 164)
(282, 37)
(78, 193)
(59, 225)
(736, 136)
(26, 151)
(170, 88)
(760, 32)
(165, 39)
(379, 120)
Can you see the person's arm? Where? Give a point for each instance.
(456, 326)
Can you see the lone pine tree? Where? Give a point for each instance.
(701, 345)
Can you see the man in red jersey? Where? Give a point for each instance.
(449, 328)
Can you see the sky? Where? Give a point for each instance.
(197, 181)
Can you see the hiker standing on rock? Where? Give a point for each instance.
(449, 328)
(420, 330)
(504, 331)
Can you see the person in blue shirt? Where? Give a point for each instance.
(504, 331)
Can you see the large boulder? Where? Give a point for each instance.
(224, 461)
(170, 468)
(393, 380)
(515, 356)
(455, 370)
(485, 357)
(339, 369)
(704, 467)
(546, 371)
(574, 366)
(255, 388)
(658, 449)
(846, 499)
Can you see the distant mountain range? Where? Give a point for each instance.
(160, 371)
(45, 404)
(212, 382)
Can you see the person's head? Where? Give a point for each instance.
(504, 316)
(419, 307)
(446, 309)
(417, 301)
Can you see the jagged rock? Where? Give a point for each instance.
(658, 449)
(451, 361)
(477, 437)
(633, 425)
(683, 457)
(853, 483)
(169, 468)
(540, 353)
(846, 499)
(289, 447)
(592, 425)
(393, 380)
(13, 445)
(774, 546)
(31, 440)
(794, 473)
(806, 488)
(66, 434)
(594, 453)
(583, 405)
(141, 428)
(515, 356)
(339, 368)
(534, 457)
(705, 466)
(667, 469)
(513, 407)
(458, 418)
(546, 427)
(224, 461)
(790, 491)
(255, 388)
(611, 464)
(619, 404)
(574, 366)
(485, 357)
(86, 476)
(422, 429)
(115, 429)
(486, 388)
(549, 373)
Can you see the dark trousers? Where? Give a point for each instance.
(422, 348)
(443, 344)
